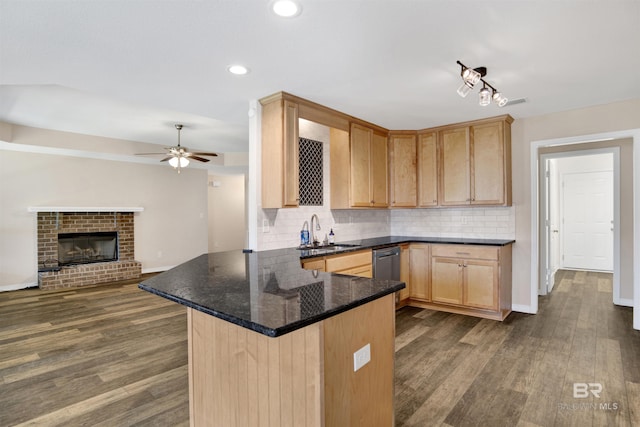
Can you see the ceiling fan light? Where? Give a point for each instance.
(180, 161)
(485, 96)
(464, 90)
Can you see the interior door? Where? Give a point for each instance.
(588, 221)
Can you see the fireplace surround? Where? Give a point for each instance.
(85, 263)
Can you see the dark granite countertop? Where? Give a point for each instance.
(266, 291)
(381, 242)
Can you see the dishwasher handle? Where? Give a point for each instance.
(383, 253)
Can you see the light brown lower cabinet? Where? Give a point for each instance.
(465, 279)
(402, 296)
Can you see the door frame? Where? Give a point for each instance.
(545, 230)
(634, 134)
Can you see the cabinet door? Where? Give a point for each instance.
(405, 271)
(454, 172)
(427, 170)
(279, 154)
(291, 155)
(360, 167)
(446, 280)
(487, 164)
(420, 274)
(480, 288)
(402, 154)
(379, 171)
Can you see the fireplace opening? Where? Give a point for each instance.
(86, 248)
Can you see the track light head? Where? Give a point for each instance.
(485, 96)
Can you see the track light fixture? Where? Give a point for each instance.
(473, 76)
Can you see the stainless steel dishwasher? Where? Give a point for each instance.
(386, 263)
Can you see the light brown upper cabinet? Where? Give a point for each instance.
(454, 163)
(427, 170)
(475, 163)
(402, 169)
(464, 164)
(368, 168)
(491, 164)
(280, 161)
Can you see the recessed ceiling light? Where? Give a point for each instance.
(286, 8)
(239, 70)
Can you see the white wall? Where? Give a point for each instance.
(172, 228)
(227, 224)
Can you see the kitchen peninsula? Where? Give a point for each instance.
(273, 344)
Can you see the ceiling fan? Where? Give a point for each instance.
(179, 156)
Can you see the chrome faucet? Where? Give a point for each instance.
(314, 240)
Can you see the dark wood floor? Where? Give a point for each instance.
(117, 356)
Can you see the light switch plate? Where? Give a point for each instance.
(361, 357)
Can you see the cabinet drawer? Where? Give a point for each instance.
(347, 261)
(313, 264)
(362, 271)
(465, 251)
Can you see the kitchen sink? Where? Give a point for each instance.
(337, 247)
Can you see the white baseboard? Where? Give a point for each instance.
(624, 302)
(156, 269)
(522, 308)
(18, 286)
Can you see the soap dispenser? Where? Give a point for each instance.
(304, 235)
(332, 237)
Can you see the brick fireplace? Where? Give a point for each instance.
(51, 275)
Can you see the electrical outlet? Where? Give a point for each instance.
(361, 357)
(265, 225)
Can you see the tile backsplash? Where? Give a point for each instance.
(476, 222)
(284, 225)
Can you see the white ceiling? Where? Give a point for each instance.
(131, 69)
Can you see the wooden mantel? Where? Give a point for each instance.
(83, 209)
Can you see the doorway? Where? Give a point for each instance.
(579, 205)
(227, 210)
(629, 237)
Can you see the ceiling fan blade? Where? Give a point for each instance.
(205, 154)
(166, 158)
(150, 154)
(198, 158)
